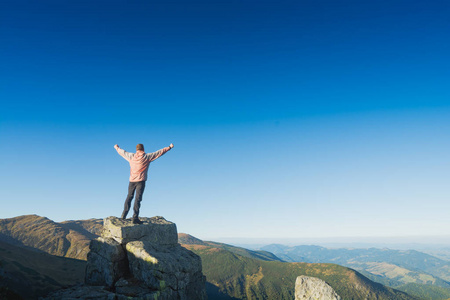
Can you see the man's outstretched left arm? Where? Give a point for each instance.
(159, 153)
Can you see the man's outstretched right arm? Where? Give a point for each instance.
(159, 153)
(128, 156)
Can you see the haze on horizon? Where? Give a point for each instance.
(289, 118)
(391, 242)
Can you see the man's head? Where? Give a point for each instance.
(140, 147)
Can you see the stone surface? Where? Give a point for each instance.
(85, 292)
(106, 262)
(167, 267)
(82, 292)
(312, 288)
(135, 289)
(156, 230)
(131, 288)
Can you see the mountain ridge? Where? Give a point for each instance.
(67, 239)
(232, 272)
(188, 239)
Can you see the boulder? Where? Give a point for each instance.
(155, 230)
(312, 288)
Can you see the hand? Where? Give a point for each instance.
(171, 146)
(116, 146)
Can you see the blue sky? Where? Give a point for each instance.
(289, 118)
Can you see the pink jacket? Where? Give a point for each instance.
(140, 161)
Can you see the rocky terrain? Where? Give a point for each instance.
(231, 272)
(141, 261)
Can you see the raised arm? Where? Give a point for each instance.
(127, 155)
(159, 153)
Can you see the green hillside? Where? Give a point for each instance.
(249, 278)
(425, 291)
(30, 273)
(68, 239)
(187, 239)
(262, 255)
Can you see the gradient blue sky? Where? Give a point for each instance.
(289, 118)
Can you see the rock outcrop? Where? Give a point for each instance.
(139, 262)
(312, 288)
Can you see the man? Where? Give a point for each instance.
(139, 163)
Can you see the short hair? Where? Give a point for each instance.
(139, 147)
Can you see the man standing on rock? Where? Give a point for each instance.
(139, 163)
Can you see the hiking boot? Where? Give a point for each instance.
(137, 221)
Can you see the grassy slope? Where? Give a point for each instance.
(262, 255)
(187, 239)
(425, 292)
(69, 239)
(248, 278)
(32, 273)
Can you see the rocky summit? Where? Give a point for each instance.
(312, 288)
(142, 261)
(156, 230)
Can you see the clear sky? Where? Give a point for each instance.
(289, 118)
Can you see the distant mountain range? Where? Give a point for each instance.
(242, 274)
(407, 270)
(30, 246)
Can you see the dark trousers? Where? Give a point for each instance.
(139, 188)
